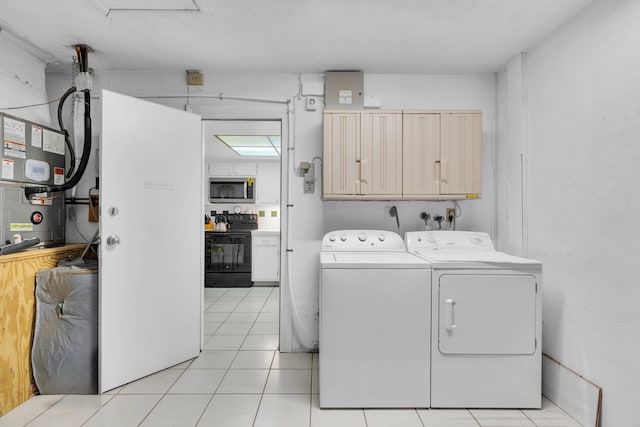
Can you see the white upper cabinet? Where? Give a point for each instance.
(341, 154)
(232, 169)
(410, 155)
(461, 154)
(268, 183)
(421, 152)
(442, 155)
(362, 155)
(381, 154)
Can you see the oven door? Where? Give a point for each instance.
(227, 259)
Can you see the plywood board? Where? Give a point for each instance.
(17, 317)
(574, 394)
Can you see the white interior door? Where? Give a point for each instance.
(151, 238)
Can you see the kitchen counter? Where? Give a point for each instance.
(265, 232)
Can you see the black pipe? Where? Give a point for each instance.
(86, 150)
(72, 160)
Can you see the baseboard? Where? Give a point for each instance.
(573, 393)
(266, 284)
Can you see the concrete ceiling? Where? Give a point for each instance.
(297, 36)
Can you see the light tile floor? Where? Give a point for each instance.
(241, 380)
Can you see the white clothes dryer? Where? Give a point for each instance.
(375, 303)
(486, 322)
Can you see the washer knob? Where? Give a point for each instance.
(362, 237)
(343, 237)
(332, 238)
(381, 237)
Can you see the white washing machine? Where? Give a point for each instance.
(375, 303)
(486, 322)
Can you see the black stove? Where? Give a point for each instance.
(236, 222)
(227, 254)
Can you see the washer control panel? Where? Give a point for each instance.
(362, 240)
(454, 240)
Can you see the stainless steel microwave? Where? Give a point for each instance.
(232, 190)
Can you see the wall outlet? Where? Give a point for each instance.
(450, 213)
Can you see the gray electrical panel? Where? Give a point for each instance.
(32, 155)
(344, 90)
(45, 221)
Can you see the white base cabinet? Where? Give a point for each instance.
(265, 256)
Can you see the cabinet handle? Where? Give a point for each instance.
(436, 171)
(449, 315)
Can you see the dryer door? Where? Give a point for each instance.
(486, 314)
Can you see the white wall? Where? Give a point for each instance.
(22, 82)
(582, 151)
(310, 217)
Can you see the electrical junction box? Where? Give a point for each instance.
(195, 78)
(344, 90)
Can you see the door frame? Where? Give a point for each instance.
(273, 111)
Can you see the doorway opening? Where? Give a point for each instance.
(243, 238)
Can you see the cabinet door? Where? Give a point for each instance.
(381, 154)
(265, 259)
(341, 153)
(221, 169)
(461, 155)
(244, 169)
(421, 154)
(268, 183)
(487, 314)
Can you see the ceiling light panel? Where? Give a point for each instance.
(151, 5)
(252, 145)
(256, 151)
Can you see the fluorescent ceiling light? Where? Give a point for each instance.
(253, 145)
(109, 6)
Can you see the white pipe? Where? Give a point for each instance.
(308, 337)
(220, 96)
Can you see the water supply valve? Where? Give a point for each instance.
(426, 216)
